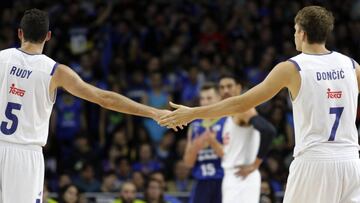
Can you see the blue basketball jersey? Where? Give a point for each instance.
(208, 164)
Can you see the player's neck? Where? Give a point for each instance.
(32, 48)
(316, 49)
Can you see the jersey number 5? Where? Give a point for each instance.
(337, 111)
(12, 117)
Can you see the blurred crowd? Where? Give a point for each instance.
(156, 51)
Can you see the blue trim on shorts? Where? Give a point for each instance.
(295, 63)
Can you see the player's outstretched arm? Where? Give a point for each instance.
(66, 78)
(280, 77)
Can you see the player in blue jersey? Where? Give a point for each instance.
(204, 151)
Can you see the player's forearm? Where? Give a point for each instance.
(258, 162)
(226, 107)
(190, 156)
(119, 103)
(216, 146)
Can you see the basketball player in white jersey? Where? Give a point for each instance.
(28, 83)
(324, 88)
(246, 140)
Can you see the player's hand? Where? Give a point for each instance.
(163, 112)
(201, 141)
(178, 118)
(245, 170)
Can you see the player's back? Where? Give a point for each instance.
(325, 107)
(26, 103)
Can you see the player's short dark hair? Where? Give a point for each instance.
(208, 86)
(35, 25)
(316, 22)
(230, 76)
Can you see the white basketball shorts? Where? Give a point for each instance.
(239, 189)
(335, 179)
(21, 173)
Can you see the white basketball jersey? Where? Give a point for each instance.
(241, 144)
(26, 104)
(326, 105)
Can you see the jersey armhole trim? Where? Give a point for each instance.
(353, 62)
(295, 63)
(54, 68)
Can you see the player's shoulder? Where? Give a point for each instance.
(6, 52)
(49, 65)
(221, 120)
(346, 58)
(47, 59)
(195, 124)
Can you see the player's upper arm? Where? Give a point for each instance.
(357, 70)
(283, 75)
(66, 78)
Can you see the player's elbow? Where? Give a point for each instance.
(106, 100)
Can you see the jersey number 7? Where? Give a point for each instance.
(337, 111)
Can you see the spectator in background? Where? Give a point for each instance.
(180, 148)
(181, 182)
(141, 136)
(86, 181)
(159, 98)
(120, 140)
(146, 163)
(136, 89)
(164, 151)
(83, 153)
(154, 192)
(159, 176)
(112, 157)
(128, 194)
(191, 87)
(139, 180)
(123, 169)
(266, 194)
(276, 174)
(67, 121)
(64, 179)
(46, 198)
(69, 194)
(69, 118)
(109, 183)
